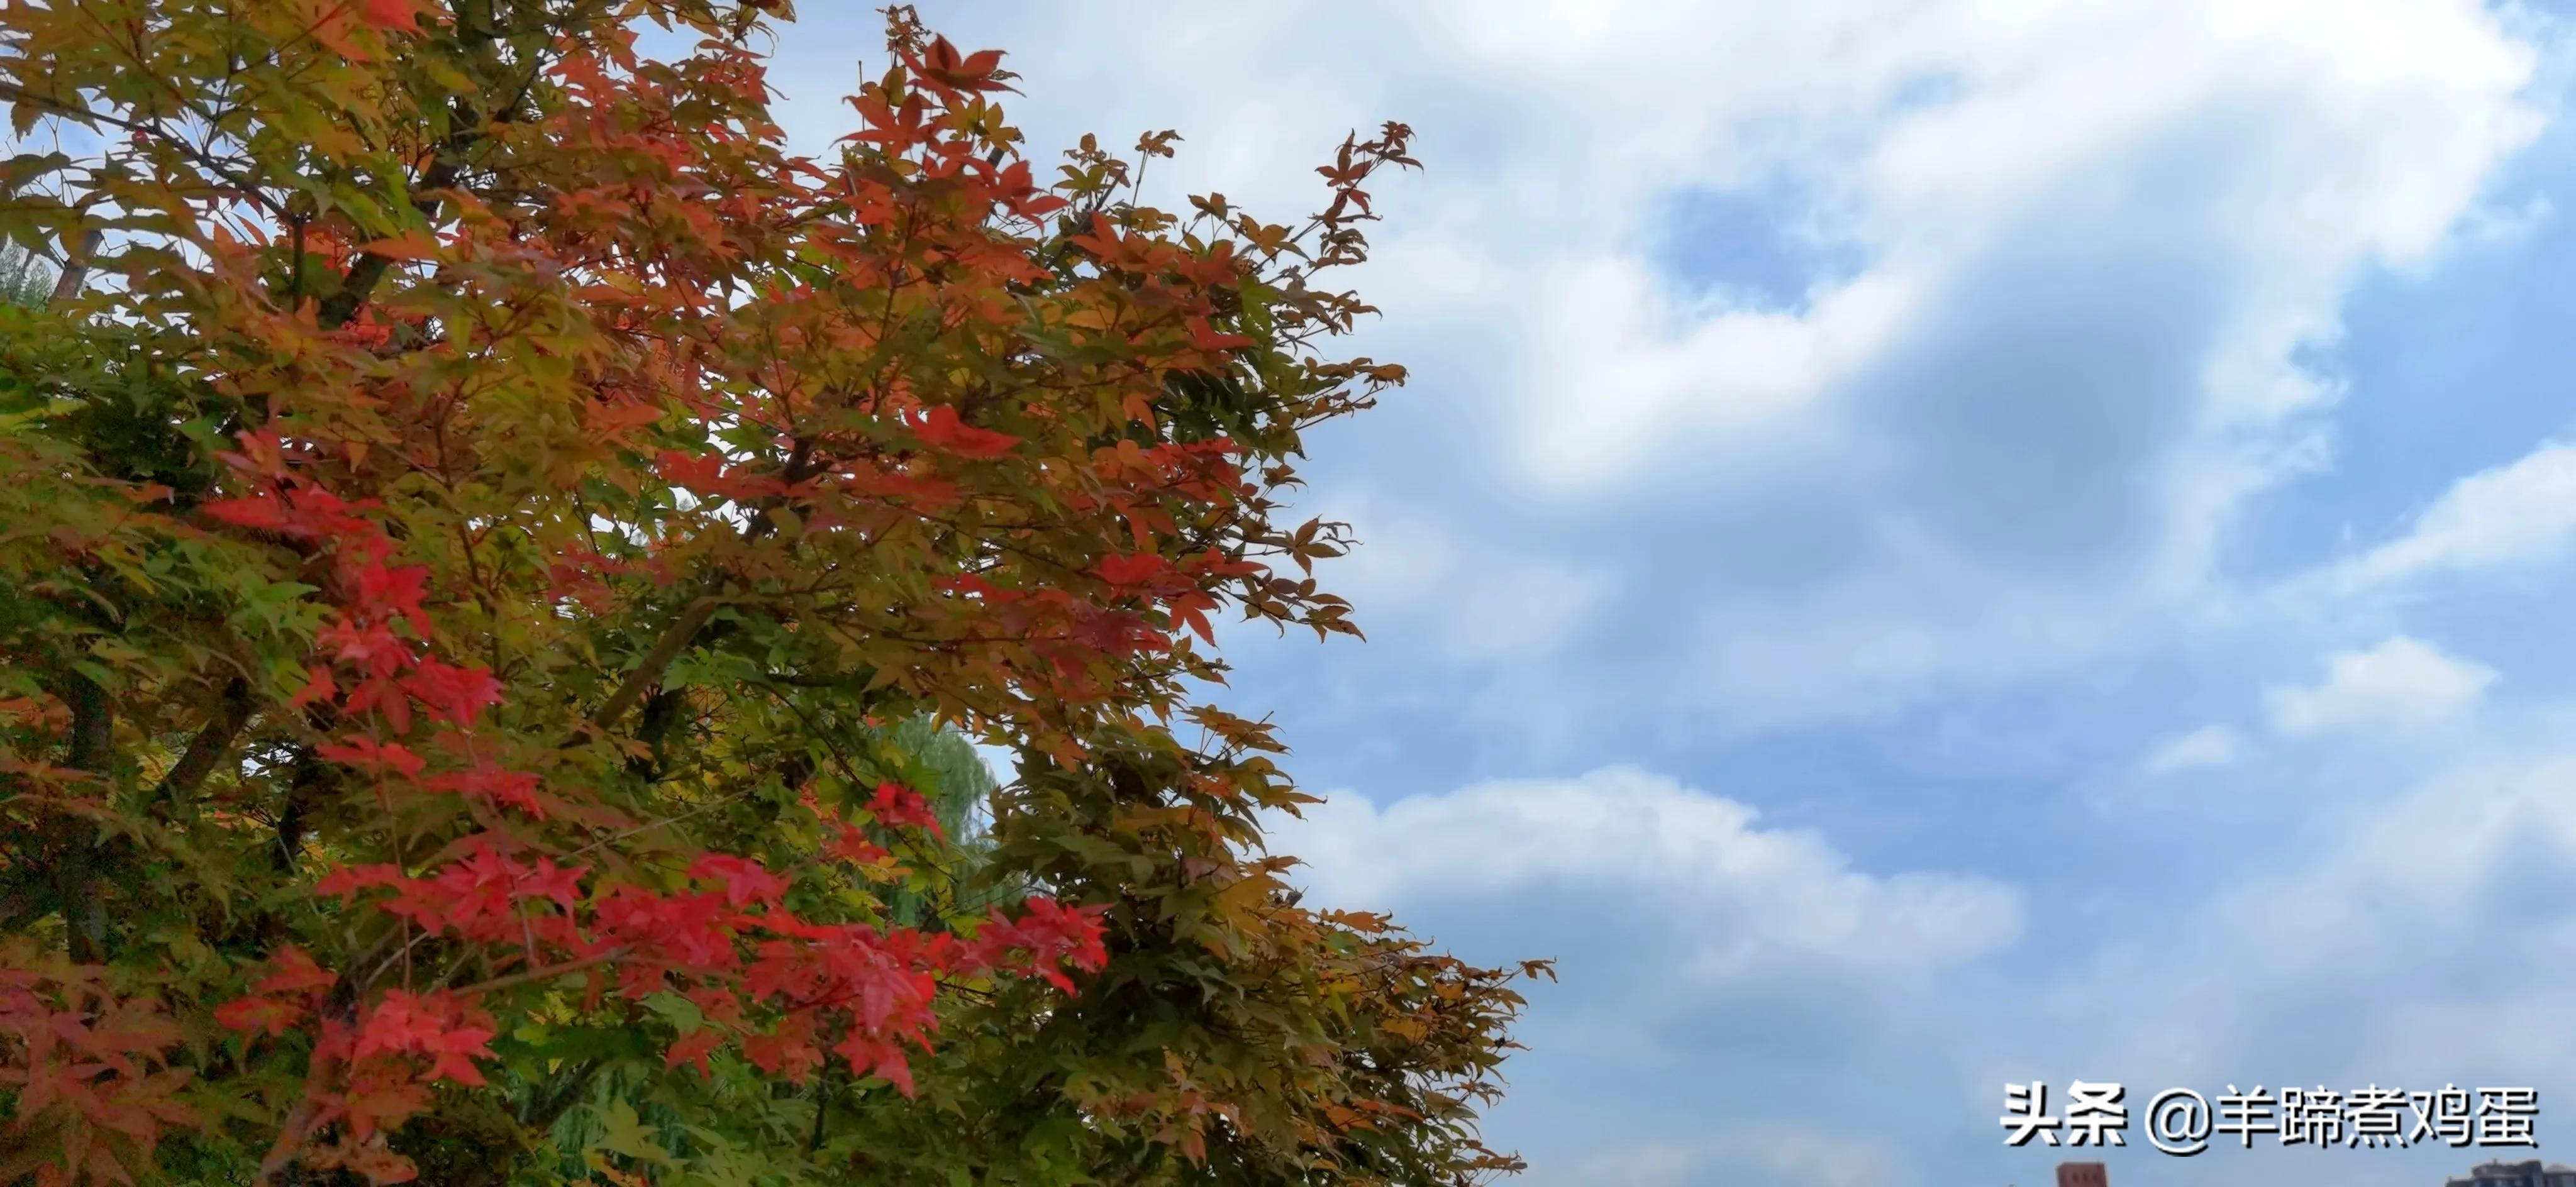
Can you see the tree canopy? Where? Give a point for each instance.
(499, 558)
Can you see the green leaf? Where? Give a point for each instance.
(682, 1013)
(622, 1132)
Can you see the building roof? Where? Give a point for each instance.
(2499, 1168)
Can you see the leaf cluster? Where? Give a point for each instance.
(504, 569)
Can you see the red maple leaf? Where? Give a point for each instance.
(259, 1015)
(900, 807)
(346, 881)
(1131, 569)
(295, 973)
(455, 1050)
(373, 757)
(391, 15)
(693, 1048)
(451, 693)
(391, 593)
(743, 879)
(516, 789)
(941, 429)
(878, 1057)
(318, 686)
(853, 846)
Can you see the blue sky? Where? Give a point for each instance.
(1931, 542)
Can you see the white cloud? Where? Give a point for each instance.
(2519, 512)
(1744, 902)
(2496, 226)
(2355, 132)
(2080, 247)
(2413, 942)
(2208, 746)
(2399, 682)
(1652, 376)
(2348, 131)
(2092, 249)
(1474, 599)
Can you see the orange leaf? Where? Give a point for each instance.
(410, 245)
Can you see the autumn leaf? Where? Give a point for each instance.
(941, 429)
(391, 15)
(1132, 568)
(410, 245)
(693, 1049)
(540, 590)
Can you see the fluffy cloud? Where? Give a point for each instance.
(2074, 251)
(2399, 682)
(2470, 866)
(2411, 942)
(1739, 902)
(2520, 512)
(2280, 145)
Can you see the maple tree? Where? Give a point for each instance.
(494, 550)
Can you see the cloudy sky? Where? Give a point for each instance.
(1931, 543)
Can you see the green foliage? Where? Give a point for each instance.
(504, 574)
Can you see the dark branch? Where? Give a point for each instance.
(211, 744)
(647, 675)
(76, 269)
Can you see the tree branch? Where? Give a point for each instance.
(73, 843)
(76, 269)
(647, 675)
(546, 973)
(211, 743)
(369, 269)
(294, 817)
